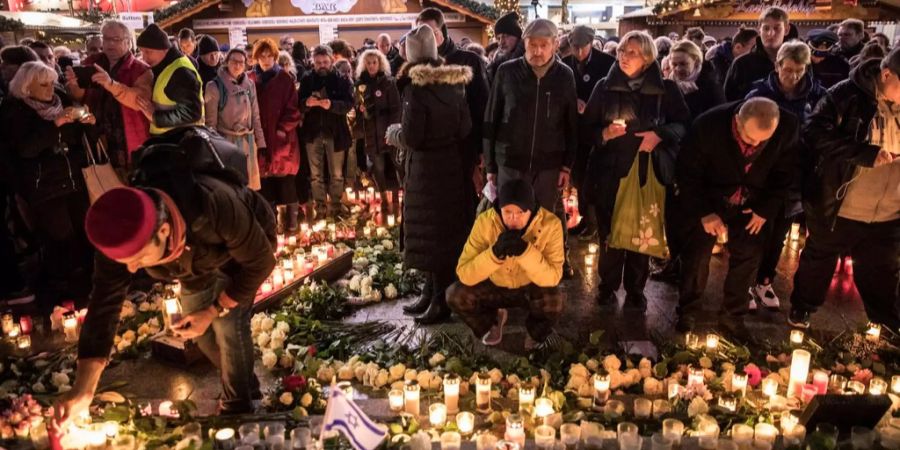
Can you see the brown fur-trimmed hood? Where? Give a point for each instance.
(423, 75)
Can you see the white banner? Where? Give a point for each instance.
(327, 33)
(136, 20)
(237, 37)
(324, 6)
(312, 21)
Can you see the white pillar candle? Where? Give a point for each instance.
(411, 397)
(799, 371)
(437, 415)
(395, 400)
(451, 393)
(601, 389)
(483, 393)
(465, 421)
(526, 396)
(739, 383)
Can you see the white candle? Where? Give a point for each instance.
(288, 275)
(395, 399)
(712, 341)
(642, 407)
(367, 232)
(437, 415)
(856, 387)
(589, 259)
(267, 287)
(673, 429)
(173, 310)
(695, 378)
(796, 337)
(111, 429)
(225, 439)
(593, 247)
(788, 422)
(391, 220)
(728, 402)
(601, 390)
(543, 407)
(526, 396)
(895, 384)
(799, 371)
(70, 326)
(739, 383)
(742, 435)
(674, 390)
(661, 407)
(877, 386)
(544, 437)
(24, 342)
(691, 340)
(770, 387)
(483, 393)
(515, 430)
(450, 440)
(451, 393)
(6, 322)
(465, 421)
(765, 432)
(292, 240)
(411, 397)
(874, 332)
(14, 331)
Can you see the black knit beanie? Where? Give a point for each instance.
(153, 37)
(207, 44)
(508, 24)
(519, 193)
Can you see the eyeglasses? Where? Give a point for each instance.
(115, 39)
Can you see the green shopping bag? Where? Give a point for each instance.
(638, 223)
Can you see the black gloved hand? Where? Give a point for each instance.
(500, 247)
(515, 245)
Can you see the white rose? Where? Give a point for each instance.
(325, 374)
(373, 270)
(306, 400)
(262, 340)
(410, 375)
(269, 359)
(388, 245)
(375, 295)
(697, 406)
(424, 379)
(616, 379)
(276, 344)
(652, 386)
(633, 376)
(143, 330)
(611, 363)
(345, 373)
(59, 379)
(286, 399)
(381, 379)
(354, 283)
(579, 370)
(123, 345)
(255, 323)
(390, 292)
(436, 359)
(585, 390)
(496, 375)
(397, 371)
(267, 324)
(365, 291)
(277, 334)
(575, 383)
(153, 322)
(39, 388)
(129, 336)
(286, 361)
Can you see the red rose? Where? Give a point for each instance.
(293, 383)
(311, 350)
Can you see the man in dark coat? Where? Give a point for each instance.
(325, 99)
(589, 65)
(215, 237)
(385, 46)
(209, 58)
(531, 123)
(733, 171)
(773, 25)
(853, 199)
(725, 53)
(827, 67)
(851, 34)
(476, 90)
(508, 35)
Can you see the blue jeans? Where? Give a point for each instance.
(228, 345)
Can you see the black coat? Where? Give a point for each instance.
(232, 236)
(331, 122)
(746, 69)
(531, 124)
(500, 58)
(711, 166)
(709, 92)
(477, 92)
(382, 102)
(437, 212)
(831, 70)
(656, 106)
(838, 136)
(721, 61)
(32, 148)
(597, 67)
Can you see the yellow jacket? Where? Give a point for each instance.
(541, 263)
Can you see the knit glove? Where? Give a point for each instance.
(515, 245)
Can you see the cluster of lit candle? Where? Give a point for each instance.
(591, 257)
(17, 332)
(295, 265)
(273, 436)
(372, 199)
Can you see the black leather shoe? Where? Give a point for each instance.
(422, 303)
(438, 312)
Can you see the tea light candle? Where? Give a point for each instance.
(543, 407)
(391, 220)
(765, 432)
(451, 393)
(877, 386)
(691, 340)
(796, 337)
(856, 387)
(465, 421)
(70, 326)
(24, 342)
(6, 322)
(483, 393)
(769, 387)
(450, 440)
(739, 383)
(395, 400)
(411, 397)
(895, 384)
(14, 331)
(544, 437)
(601, 389)
(874, 332)
(837, 383)
(225, 439)
(642, 407)
(728, 402)
(526, 396)
(25, 324)
(515, 430)
(820, 381)
(799, 371)
(788, 422)
(807, 392)
(437, 415)
(695, 377)
(288, 275)
(712, 342)
(593, 248)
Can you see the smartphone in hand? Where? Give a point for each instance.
(83, 74)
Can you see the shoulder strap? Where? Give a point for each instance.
(222, 93)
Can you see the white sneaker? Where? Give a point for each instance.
(764, 294)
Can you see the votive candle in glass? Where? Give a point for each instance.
(515, 430)
(765, 432)
(742, 435)
(526, 396)
(483, 393)
(70, 326)
(543, 407)
(544, 437)
(411, 397)
(856, 387)
(691, 340)
(601, 389)
(451, 393)
(739, 383)
(661, 407)
(712, 342)
(642, 408)
(796, 337)
(873, 333)
(788, 422)
(437, 415)
(395, 399)
(224, 439)
(808, 392)
(450, 440)
(23, 342)
(837, 383)
(673, 429)
(728, 402)
(877, 386)
(465, 421)
(895, 384)
(770, 387)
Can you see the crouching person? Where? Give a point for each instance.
(512, 259)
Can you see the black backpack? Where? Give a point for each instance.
(174, 162)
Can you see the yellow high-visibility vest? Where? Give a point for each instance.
(162, 102)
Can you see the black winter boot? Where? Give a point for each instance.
(421, 304)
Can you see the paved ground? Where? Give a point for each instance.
(150, 379)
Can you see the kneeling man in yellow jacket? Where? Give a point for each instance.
(512, 259)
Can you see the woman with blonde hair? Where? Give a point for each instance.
(377, 106)
(698, 85)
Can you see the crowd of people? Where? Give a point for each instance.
(747, 135)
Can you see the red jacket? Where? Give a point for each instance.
(278, 111)
(137, 127)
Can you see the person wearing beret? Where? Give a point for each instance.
(512, 259)
(217, 241)
(177, 98)
(828, 68)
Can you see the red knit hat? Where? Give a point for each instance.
(121, 222)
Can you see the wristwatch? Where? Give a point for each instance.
(221, 310)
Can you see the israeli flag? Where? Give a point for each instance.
(343, 415)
